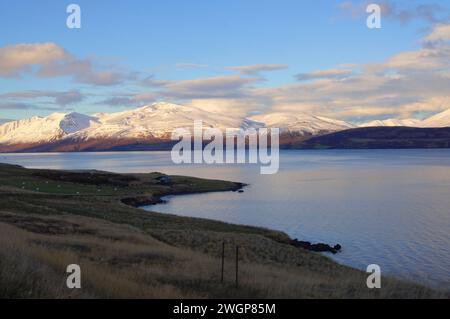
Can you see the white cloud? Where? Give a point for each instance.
(439, 33)
(237, 107)
(51, 60)
(406, 84)
(324, 74)
(230, 86)
(15, 59)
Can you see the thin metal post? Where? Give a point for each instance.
(223, 260)
(237, 266)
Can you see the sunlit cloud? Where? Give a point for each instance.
(59, 98)
(15, 59)
(50, 60)
(440, 33)
(324, 74)
(405, 85)
(258, 68)
(229, 86)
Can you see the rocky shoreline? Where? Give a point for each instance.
(141, 201)
(320, 247)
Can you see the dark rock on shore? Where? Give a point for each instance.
(320, 247)
(142, 201)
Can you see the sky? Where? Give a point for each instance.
(233, 57)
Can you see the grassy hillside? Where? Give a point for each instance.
(49, 219)
(379, 138)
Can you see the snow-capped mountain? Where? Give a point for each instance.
(160, 119)
(439, 120)
(153, 125)
(44, 129)
(392, 122)
(302, 124)
(152, 121)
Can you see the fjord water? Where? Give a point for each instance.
(385, 207)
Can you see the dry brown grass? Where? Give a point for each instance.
(126, 252)
(120, 261)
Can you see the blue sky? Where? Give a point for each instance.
(185, 51)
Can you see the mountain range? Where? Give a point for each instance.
(438, 120)
(150, 127)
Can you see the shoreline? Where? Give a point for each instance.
(55, 210)
(140, 202)
(295, 242)
(281, 149)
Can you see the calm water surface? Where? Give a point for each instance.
(388, 207)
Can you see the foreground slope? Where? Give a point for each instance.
(49, 219)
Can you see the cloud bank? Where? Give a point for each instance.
(407, 84)
(49, 60)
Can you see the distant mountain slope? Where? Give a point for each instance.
(156, 121)
(392, 122)
(159, 120)
(439, 120)
(150, 127)
(380, 138)
(45, 129)
(302, 124)
(144, 128)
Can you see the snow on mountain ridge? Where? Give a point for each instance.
(302, 123)
(441, 119)
(392, 122)
(74, 122)
(158, 120)
(438, 120)
(44, 129)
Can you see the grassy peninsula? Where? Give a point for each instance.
(50, 219)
